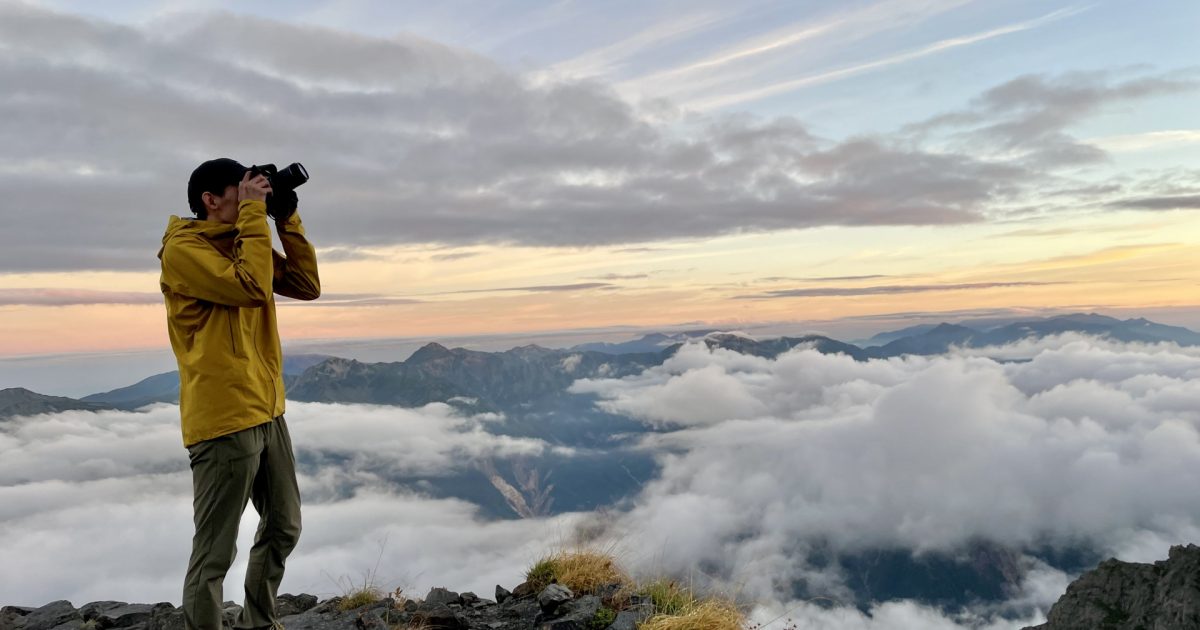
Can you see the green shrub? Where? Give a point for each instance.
(603, 619)
(668, 597)
(542, 573)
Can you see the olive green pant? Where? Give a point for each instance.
(255, 464)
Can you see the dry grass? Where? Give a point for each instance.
(580, 569)
(586, 571)
(705, 614)
(676, 605)
(361, 596)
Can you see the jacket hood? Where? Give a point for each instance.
(180, 226)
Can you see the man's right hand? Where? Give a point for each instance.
(256, 189)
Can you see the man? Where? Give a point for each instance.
(219, 273)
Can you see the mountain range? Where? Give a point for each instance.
(498, 381)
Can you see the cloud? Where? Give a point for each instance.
(621, 276)
(1149, 140)
(73, 297)
(608, 58)
(1176, 202)
(80, 445)
(882, 62)
(763, 461)
(824, 278)
(410, 141)
(886, 289)
(79, 489)
(544, 288)
(768, 462)
(454, 256)
(347, 299)
(754, 63)
(1028, 117)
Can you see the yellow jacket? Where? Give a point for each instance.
(218, 281)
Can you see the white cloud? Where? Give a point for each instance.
(473, 151)
(571, 362)
(79, 490)
(1089, 441)
(762, 462)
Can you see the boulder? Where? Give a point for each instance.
(629, 618)
(12, 616)
(574, 615)
(288, 604)
(437, 617)
(553, 596)
(52, 615)
(524, 589)
(117, 614)
(440, 596)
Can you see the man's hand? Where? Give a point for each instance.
(256, 189)
(281, 205)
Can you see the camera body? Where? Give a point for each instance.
(282, 200)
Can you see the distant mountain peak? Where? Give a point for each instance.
(431, 351)
(945, 327)
(1087, 318)
(18, 401)
(531, 348)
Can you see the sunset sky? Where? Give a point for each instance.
(485, 167)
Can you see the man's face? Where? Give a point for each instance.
(223, 209)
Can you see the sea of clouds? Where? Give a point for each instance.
(1063, 441)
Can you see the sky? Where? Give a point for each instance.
(1086, 442)
(500, 168)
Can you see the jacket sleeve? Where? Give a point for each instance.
(195, 268)
(296, 274)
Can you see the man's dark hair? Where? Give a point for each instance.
(212, 176)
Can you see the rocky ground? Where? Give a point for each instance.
(554, 607)
(1119, 595)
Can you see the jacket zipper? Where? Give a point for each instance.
(233, 310)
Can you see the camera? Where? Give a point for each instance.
(282, 200)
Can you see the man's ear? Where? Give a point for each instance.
(211, 202)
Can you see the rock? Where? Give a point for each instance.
(12, 616)
(53, 615)
(607, 592)
(91, 610)
(371, 620)
(323, 616)
(629, 618)
(553, 596)
(1127, 595)
(524, 589)
(468, 598)
(437, 617)
(502, 594)
(327, 606)
(411, 605)
(438, 595)
(288, 604)
(230, 613)
(574, 615)
(117, 614)
(166, 617)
